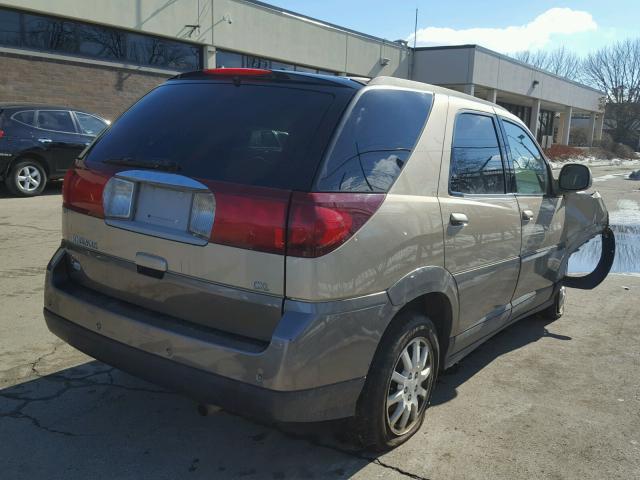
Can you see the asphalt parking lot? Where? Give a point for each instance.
(554, 400)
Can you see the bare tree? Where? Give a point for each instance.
(615, 70)
(565, 63)
(539, 58)
(560, 61)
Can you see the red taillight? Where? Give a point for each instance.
(321, 222)
(1, 133)
(238, 72)
(82, 190)
(254, 218)
(249, 217)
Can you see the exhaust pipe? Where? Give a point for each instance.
(205, 410)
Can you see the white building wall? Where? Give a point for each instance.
(477, 66)
(493, 70)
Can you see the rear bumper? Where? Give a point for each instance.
(312, 369)
(287, 406)
(5, 160)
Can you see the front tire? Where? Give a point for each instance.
(555, 311)
(400, 383)
(26, 178)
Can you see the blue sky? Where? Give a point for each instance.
(503, 25)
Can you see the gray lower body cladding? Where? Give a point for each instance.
(311, 369)
(313, 404)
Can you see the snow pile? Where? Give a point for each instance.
(598, 162)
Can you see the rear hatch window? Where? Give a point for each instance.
(266, 135)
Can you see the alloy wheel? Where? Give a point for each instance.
(28, 178)
(409, 386)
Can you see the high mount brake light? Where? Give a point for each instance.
(238, 72)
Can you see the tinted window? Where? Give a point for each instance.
(529, 166)
(476, 163)
(50, 34)
(27, 117)
(58, 120)
(375, 141)
(90, 125)
(250, 134)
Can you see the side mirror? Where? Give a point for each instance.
(574, 177)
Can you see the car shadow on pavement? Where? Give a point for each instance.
(526, 331)
(93, 421)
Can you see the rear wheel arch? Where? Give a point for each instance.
(34, 157)
(432, 291)
(437, 307)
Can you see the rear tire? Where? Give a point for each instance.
(398, 388)
(26, 178)
(556, 310)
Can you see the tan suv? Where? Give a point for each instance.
(305, 247)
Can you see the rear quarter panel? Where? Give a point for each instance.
(403, 235)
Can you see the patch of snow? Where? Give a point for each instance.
(598, 162)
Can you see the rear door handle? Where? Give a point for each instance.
(44, 140)
(458, 219)
(527, 215)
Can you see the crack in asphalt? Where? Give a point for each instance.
(70, 383)
(34, 365)
(317, 443)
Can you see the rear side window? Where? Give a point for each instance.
(250, 134)
(375, 141)
(476, 162)
(89, 125)
(27, 117)
(531, 173)
(56, 120)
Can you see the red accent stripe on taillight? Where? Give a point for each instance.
(82, 190)
(321, 222)
(249, 217)
(238, 72)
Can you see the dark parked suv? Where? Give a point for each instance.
(39, 143)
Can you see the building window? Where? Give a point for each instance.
(520, 111)
(68, 37)
(226, 59)
(546, 124)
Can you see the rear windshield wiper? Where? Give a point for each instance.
(168, 166)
